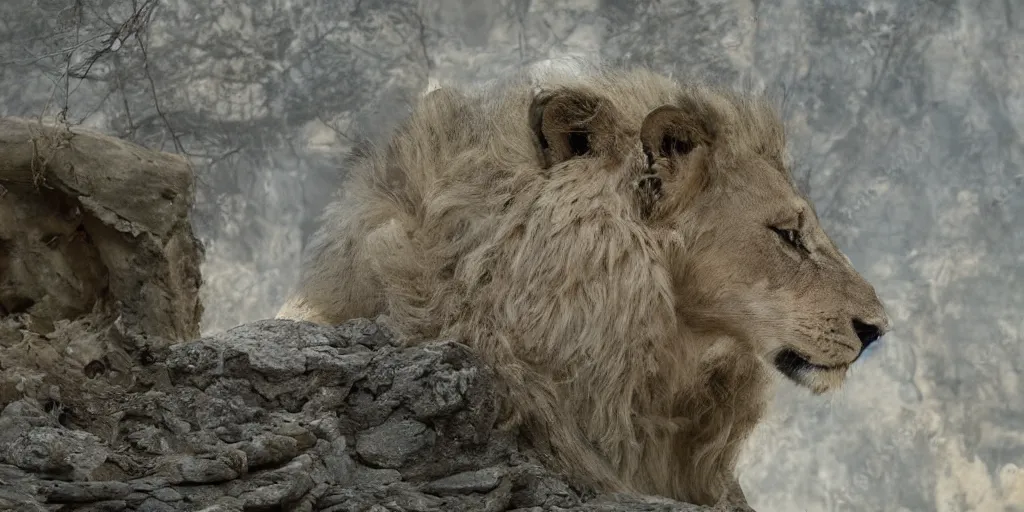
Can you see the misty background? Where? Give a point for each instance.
(904, 118)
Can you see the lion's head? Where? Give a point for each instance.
(747, 255)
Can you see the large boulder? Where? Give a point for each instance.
(98, 262)
(282, 415)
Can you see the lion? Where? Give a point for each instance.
(628, 252)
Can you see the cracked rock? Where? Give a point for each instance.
(231, 422)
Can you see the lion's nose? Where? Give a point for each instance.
(867, 333)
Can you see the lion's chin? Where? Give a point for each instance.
(819, 379)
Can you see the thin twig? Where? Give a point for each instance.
(152, 86)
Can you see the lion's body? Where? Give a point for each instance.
(554, 275)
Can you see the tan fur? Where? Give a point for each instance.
(632, 299)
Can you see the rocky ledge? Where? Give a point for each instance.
(281, 415)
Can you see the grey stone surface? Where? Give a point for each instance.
(235, 422)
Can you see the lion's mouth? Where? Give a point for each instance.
(796, 366)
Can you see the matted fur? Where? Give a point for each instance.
(629, 285)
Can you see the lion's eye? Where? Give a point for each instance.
(790, 236)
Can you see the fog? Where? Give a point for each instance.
(904, 120)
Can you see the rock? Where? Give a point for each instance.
(391, 444)
(197, 470)
(109, 213)
(83, 492)
(234, 424)
(98, 262)
(46, 449)
(483, 480)
(269, 450)
(166, 494)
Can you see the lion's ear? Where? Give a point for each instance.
(669, 134)
(568, 123)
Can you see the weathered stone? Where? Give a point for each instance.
(390, 444)
(104, 506)
(83, 492)
(375, 477)
(483, 480)
(222, 432)
(49, 450)
(269, 450)
(155, 505)
(537, 487)
(166, 494)
(190, 469)
(97, 256)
